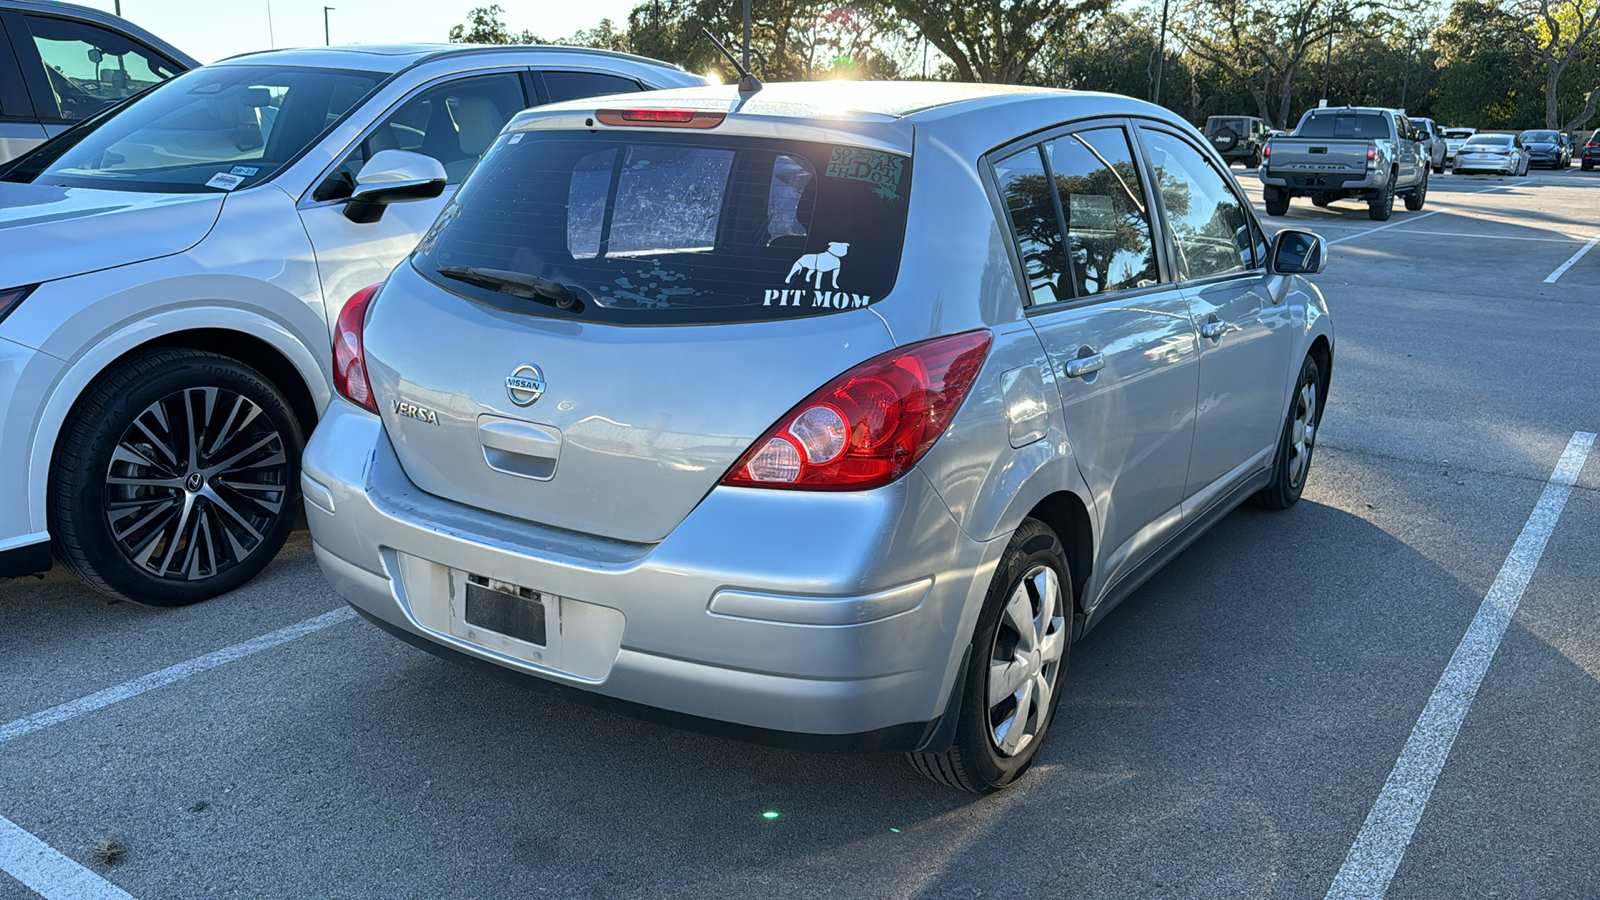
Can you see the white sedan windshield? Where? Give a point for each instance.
(212, 129)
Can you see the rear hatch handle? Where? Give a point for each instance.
(525, 449)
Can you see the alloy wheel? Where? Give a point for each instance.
(1025, 659)
(195, 483)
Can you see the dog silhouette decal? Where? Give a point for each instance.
(818, 264)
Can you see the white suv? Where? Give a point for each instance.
(167, 281)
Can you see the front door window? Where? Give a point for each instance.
(89, 68)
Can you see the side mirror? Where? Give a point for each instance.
(393, 176)
(1298, 253)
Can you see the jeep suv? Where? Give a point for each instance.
(1238, 138)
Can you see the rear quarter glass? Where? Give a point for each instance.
(676, 228)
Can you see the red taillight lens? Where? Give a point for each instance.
(1266, 151)
(870, 425)
(1372, 154)
(349, 356)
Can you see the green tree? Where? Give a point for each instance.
(996, 41)
(483, 26)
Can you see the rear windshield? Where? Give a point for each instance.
(1239, 126)
(1491, 140)
(640, 228)
(1344, 125)
(1458, 134)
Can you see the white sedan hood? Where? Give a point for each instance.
(49, 232)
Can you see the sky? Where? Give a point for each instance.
(210, 31)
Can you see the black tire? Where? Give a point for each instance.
(1585, 166)
(1226, 140)
(1417, 195)
(1292, 461)
(1320, 200)
(1276, 200)
(1380, 208)
(1255, 160)
(231, 496)
(1438, 170)
(975, 761)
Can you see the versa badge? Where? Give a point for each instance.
(413, 411)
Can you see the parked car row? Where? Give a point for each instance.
(641, 396)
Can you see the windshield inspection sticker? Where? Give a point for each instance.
(246, 171)
(815, 266)
(225, 181)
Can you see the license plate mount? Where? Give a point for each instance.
(507, 609)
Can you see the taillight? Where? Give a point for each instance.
(870, 425)
(1266, 152)
(661, 118)
(349, 356)
(1372, 156)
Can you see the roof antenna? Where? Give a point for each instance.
(748, 84)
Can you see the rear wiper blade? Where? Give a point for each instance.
(518, 284)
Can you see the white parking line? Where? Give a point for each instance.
(1562, 269)
(48, 872)
(1414, 219)
(102, 699)
(1408, 221)
(1498, 237)
(1384, 837)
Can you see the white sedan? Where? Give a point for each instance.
(168, 273)
(1499, 153)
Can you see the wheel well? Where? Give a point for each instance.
(253, 352)
(1323, 354)
(1069, 519)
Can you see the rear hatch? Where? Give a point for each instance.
(604, 320)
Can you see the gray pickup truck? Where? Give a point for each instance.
(1363, 152)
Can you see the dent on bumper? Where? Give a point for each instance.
(783, 612)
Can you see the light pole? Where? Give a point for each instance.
(1327, 64)
(325, 10)
(119, 8)
(1161, 61)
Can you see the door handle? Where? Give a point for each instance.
(1213, 330)
(1085, 365)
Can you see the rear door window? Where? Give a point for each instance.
(639, 228)
(578, 85)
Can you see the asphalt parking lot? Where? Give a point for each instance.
(1230, 731)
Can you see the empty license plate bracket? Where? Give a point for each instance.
(507, 609)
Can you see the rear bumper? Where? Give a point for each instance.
(811, 621)
(1320, 182)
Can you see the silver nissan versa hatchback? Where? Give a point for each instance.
(824, 416)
